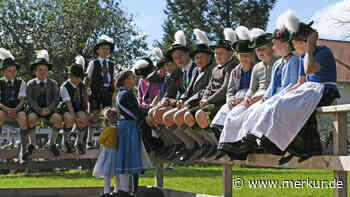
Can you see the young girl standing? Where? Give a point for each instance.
(106, 162)
(131, 120)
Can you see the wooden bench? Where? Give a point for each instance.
(339, 163)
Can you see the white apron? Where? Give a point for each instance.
(221, 115)
(283, 115)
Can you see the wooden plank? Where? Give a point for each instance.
(340, 148)
(159, 174)
(64, 163)
(227, 180)
(45, 154)
(324, 162)
(334, 109)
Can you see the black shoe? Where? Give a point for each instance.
(253, 142)
(270, 147)
(80, 149)
(30, 149)
(212, 151)
(67, 147)
(238, 147)
(53, 149)
(105, 195)
(123, 194)
(219, 154)
(241, 157)
(204, 151)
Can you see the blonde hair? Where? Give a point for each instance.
(110, 116)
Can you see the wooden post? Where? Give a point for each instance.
(340, 148)
(227, 180)
(159, 174)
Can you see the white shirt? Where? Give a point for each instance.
(64, 92)
(188, 67)
(90, 69)
(22, 90)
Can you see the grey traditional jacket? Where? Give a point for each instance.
(52, 94)
(199, 82)
(216, 90)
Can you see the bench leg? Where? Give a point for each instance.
(159, 175)
(227, 180)
(340, 148)
(340, 189)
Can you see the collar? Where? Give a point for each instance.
(188, 66)
(6, 80)
(229, 60)
(70, 81)
(38, 81)
(101, 60)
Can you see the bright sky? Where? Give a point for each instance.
(150, 15)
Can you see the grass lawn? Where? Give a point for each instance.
(204, 180)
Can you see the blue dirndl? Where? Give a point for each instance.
(106, 163)
(129, 147)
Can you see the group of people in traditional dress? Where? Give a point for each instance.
(250, 92)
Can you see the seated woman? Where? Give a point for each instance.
(239, 77)
(260, 80)
(299, 134)
(284, 75)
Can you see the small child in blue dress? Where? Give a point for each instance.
(107, 160)
(129, 131)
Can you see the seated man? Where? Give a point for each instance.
(73, 106)
(214, 95)
(12, 95)
(43, 97)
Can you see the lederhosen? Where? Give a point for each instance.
(9, 93)
(77, 99)
(101, 95)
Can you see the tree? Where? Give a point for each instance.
(67, 28)
(212, 16)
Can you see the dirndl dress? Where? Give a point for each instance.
(106, 163)
(129, 148)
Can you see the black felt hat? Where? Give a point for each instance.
(42, 57)
(243, 46)
(226, 44)
(7, 59)
(104, 40)
(143, 67)
(261, 40)
(76, 70)
(201, 48)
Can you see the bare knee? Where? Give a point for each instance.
(3, 117)
(56, 119)
(201, 119)
(168, 118)
(189, 119)
(32, 119)
(179, 117)
(22, 120)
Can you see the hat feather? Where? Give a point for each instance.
(243, 33)
(180, 38)
(43, 54)
(230, 35)
(256, 32)
(107, 38)
(4, 54)
(157, 53)
(291, 22)
(280, 22)
(201, 36)
(139, 64)
(80, 60)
